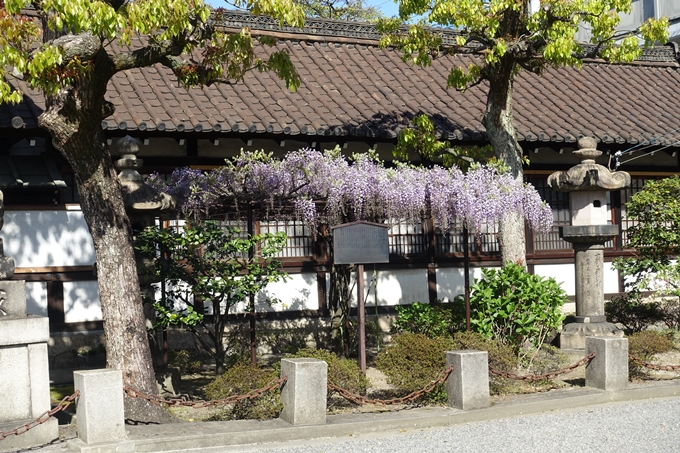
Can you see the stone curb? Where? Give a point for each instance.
(189, 436)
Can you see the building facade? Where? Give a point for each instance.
(356, 96)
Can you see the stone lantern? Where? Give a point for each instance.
(143, 204)
(587, 184)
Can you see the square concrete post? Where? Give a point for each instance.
(468, 383)
(99, 412)
(608, 370)
(304, 394)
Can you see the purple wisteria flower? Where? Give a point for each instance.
(326, 187)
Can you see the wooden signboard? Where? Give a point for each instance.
(360, 243)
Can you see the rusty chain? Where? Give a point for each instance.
(544, 376)
(197, 404)
(653, 366)
(359, 399)
(63, 404)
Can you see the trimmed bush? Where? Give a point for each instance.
(241, 379)
(501, 356)
(631, 312)
(342, 372)
(431, 320)
(647, 343)
(411, 361)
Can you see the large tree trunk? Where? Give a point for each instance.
(73, 118)
(501, 132)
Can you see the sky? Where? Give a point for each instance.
(388, 7)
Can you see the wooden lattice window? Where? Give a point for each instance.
(406, 238)
(299, 241)
(559, 203)
(483, 242)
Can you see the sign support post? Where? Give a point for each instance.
(361, 311)
(360, 243)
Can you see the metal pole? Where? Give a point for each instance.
(362, 317)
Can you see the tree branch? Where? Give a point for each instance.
(84, 46)
(151, 54)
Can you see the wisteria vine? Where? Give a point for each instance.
(326, 187)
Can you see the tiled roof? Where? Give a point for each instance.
(351, 88)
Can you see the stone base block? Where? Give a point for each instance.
(573, 335)
(24, 330)
(168, 381)
(468, 383)
(304, 394)
(124, 446)
(38, 436)
(609, 368)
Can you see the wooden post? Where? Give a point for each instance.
(251, 298)
(466, 276)
(362, 317)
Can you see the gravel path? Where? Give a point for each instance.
(648, 426)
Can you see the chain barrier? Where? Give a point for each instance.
(544, 376)
(63, 404)
(653, 366)
(197, 404)
(361, 400)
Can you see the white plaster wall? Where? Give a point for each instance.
(47, 238)
(610, 276)
(395, 287)
(451, 281)
(565, 275)
(81, 302)
(562, 273)
(299, 292)
(36, 298)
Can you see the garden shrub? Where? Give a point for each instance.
(430, 320)
(241, 379)
(342, 372)
(501, 356)
(515, 307)
(632, 313)
(647, 343)
(654, 236)
(411, 361)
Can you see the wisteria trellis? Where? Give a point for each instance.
(327, 187)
